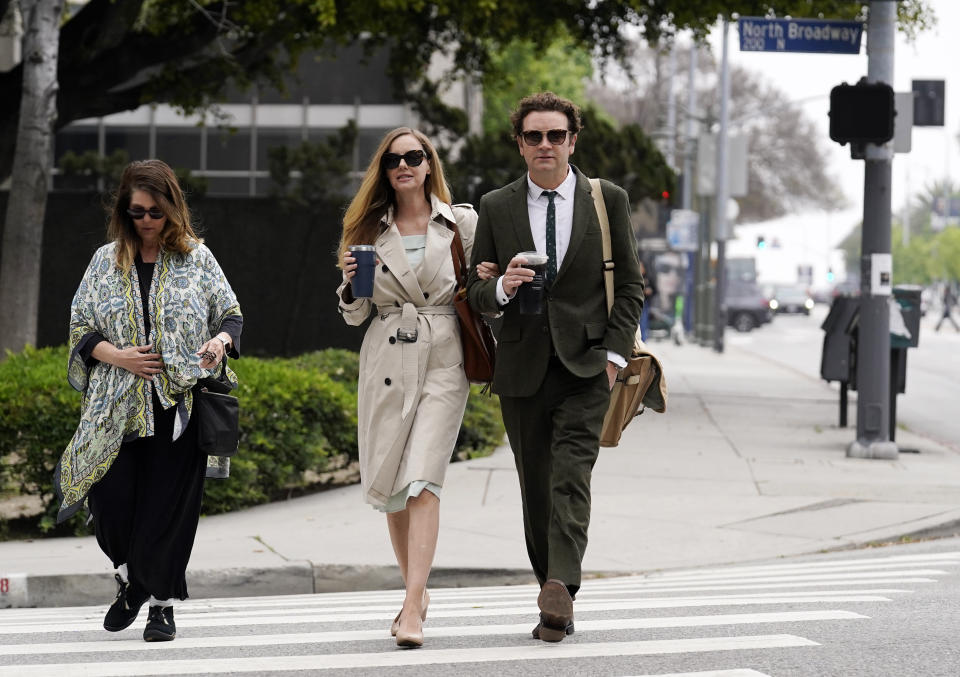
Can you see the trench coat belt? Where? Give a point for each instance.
(409, 352)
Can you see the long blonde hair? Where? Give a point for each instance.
(156, 178)
(362, 220)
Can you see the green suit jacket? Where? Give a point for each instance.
(574, 324)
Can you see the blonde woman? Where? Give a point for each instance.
(412, 389)
(153, 314)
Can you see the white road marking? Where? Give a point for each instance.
(712, 673)
(540, 651)
(125, 643)
(379, 613)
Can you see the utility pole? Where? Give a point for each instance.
(688, 156)
(873, 345)
(722, 184)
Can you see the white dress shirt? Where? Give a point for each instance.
(537, 212)
(537, 204)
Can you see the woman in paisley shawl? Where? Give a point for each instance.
(153, 314)
(412, 389)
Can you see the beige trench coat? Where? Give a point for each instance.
(411, 395)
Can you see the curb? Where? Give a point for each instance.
(25, 591)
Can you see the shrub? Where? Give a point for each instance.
(38, 414)
(297, 415)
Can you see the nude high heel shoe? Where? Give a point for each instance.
(411, 640)
(395, 626)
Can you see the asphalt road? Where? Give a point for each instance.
(928, 407)
(878, 612)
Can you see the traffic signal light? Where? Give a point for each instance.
(862, 113)
(761, 242)
(829, 274)
(663, 213)
(928, 100)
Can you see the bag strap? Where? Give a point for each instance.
(459, 258)
(608, 264)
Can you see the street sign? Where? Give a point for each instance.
(682, 229)
(821, 36)
(736, 165)
(903, 125)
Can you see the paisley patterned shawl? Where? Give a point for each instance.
(188, 301)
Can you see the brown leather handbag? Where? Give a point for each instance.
(479, 346)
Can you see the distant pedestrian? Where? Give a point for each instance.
(949, 301)
(649, 290)
(412, 390)
(153, 314)
(555, 368)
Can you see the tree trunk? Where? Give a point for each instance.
(23, 229)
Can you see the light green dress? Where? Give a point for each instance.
(414, 246)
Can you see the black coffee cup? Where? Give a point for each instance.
(362, 282)
(531, 293)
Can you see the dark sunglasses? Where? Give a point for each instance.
(535, 137)
(413, 158)
(139, 212)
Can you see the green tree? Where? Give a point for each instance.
(522, 67)
(626, 156)
(116, 56)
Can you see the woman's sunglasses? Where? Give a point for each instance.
(139, 212)
(413, 158)
(535, 137)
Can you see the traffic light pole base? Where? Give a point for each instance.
(882, 449)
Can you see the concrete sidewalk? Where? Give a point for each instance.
(747, 464)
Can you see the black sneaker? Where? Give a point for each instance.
(125, 607)
(160, 625)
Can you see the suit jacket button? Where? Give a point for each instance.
(385, 269)
(544, 330)
(387, 381)
(392, 339)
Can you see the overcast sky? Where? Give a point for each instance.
(809, 78)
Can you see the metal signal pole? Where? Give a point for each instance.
(873, 344)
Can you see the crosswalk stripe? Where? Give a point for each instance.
(218, 619)
(540, 651)
(318, 605)
(294, 605)
(870, 562)
(746, 672)
(773, 578)
(124, 644)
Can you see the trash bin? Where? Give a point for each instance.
(907, 297)
(839, 343)
(906, 303)
(838, 361)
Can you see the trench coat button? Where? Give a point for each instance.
(387, 381)
(392, 339)
(426, 294)
(385, 269)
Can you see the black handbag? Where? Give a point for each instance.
(218, 415)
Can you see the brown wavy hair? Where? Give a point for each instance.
(362, 220)
(156, 178)
(546, 102)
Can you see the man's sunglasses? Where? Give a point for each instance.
(139, 212)
(413, 158)
(534, 137)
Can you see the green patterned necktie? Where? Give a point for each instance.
(551, 236)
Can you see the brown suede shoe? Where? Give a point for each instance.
(556, 610)
(567, 631)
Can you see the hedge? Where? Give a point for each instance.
(298, 420)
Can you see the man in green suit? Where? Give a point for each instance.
(554, 370)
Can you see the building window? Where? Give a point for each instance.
(228, 150)
(179, 147)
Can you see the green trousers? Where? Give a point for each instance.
(555, 439)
